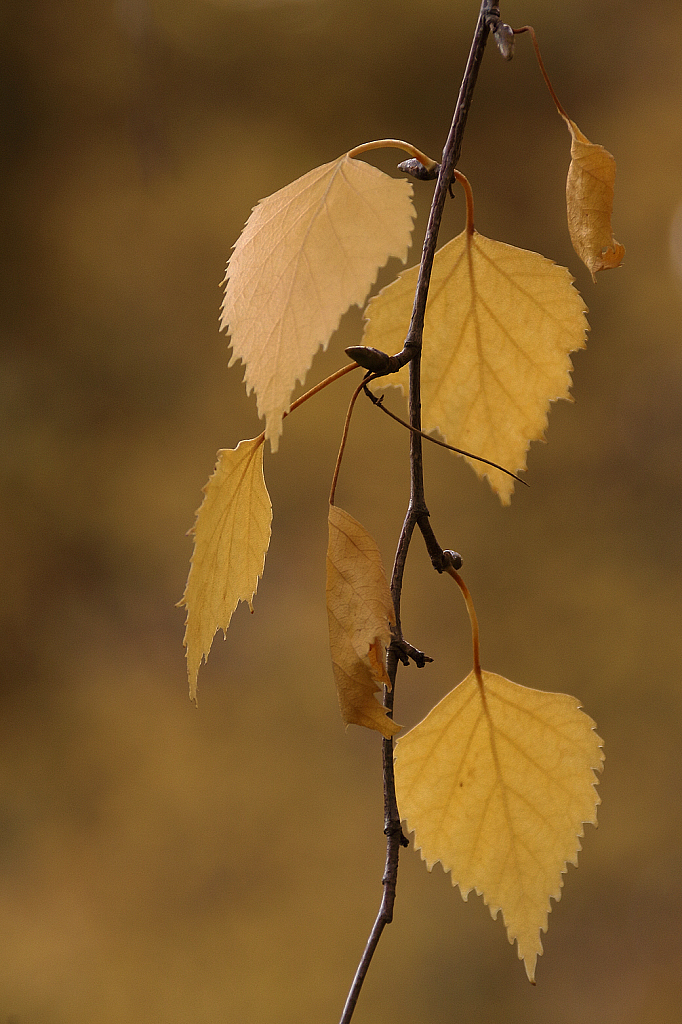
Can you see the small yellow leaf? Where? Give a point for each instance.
(306, 254)
(360, 612)
(231, 538)
(589, 201)
(496, 783)
(500, 324)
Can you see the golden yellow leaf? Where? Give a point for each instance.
(360, 612)
(500, 324)
(231, 537)
(589, 191)
(589, 201)
(306, 254)
(496, 783)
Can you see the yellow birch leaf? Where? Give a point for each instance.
(589, 201)
(306, 254)
(231, 538)
(500, 324)
(496, 783)
(360, 612)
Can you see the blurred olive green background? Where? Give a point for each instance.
(160, 863)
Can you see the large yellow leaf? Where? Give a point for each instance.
(307, 253)
(589, 201)
(360, 612)
(500, 324)
(496, 783)
(231, 537)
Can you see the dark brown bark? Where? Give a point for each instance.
(417, 514)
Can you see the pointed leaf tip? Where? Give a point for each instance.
(231, 538)
(500, 325)
(496, 783)
(306, 254)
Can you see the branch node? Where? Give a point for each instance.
(450, 560)
(406, 653)
(503, 33)
(371, 359)
(393, 828)
(417, 170)
(378, 362)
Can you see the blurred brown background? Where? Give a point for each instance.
(165, 864)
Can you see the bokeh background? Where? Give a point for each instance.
(161, 863)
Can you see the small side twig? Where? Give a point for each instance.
(406, 653)
(379, 403)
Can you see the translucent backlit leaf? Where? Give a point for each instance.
(589, 201)
(231, 538)
(500, 324)
(360, 612)
(306, 254)
(496, 783)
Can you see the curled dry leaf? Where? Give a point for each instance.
(589, 202)
(360, 612)
(500, 324)
(306, 254)
(496, 783)
(231, 538)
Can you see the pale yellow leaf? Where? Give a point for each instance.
(306, 254)
(500, 324)
(231, 538)
(496, 783)
(360, 612)
(589, 201)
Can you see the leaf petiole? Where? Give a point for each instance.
(344, 437)
(313, 391)
(531, 31)
(407, 147)
(472, 618)
(464, 182)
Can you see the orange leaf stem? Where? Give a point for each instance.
(343, 440)
(407, 147)
(464, 182)
(474, 622)
(531, 31)
(313, 391)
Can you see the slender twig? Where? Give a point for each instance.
(417, 512)
(379, 403)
